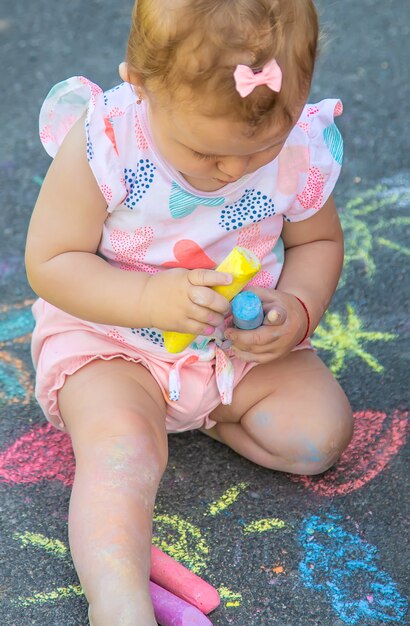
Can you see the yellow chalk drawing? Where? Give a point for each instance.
(344, 339)
(174, 535)
(181, 540)
(361, 236)
(393, 246)
(55, 546)
(227, 499)
(61, 593)
(231, 598)
(262, 525)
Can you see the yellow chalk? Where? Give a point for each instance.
(243, 265)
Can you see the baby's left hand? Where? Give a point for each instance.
(283, 328)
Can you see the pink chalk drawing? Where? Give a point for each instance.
(43, 453)
(377, 438)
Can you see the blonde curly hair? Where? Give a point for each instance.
(184, 53)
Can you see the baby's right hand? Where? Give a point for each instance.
(182, 300)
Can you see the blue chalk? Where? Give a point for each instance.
(247, 310)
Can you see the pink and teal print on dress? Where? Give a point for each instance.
(150, 334)
(260, 244)
(183, 203)
(345, 569)
(109, 131)
(279, 251)
(142, 142)
(64, 105)
(189, 254)
(334, 142)
(293, 161)
(90, 147)
(138, 181)
(254, 206)
(64, 91)
(110, 91)
(131, 248)
(256, 241)
(312, 195)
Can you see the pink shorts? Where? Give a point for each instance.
(62, 344)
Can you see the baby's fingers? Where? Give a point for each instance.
(209, 278)
(255, 341)
(201, 294)
(275, 317)
(209, 300)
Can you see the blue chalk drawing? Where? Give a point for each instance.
(183, 203)
(15, 379)
(14, 324)
(345, 568)
(11, 388)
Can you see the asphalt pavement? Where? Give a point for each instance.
(283, 551)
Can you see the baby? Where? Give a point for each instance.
(207, 144)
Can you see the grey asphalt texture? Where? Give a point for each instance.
(327, 551)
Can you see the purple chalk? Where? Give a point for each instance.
(172, 611)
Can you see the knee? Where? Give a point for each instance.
(126, 443)
(322, 446)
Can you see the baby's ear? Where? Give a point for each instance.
(132, 79)
(123, 72)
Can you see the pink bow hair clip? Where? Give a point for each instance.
(246, 79)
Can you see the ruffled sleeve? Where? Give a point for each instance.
(63, 107)
(324, 156)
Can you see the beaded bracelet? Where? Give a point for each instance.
(308, 320)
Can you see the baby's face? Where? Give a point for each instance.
(211, 152)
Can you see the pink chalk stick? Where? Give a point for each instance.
(172, 611)
(171, 575)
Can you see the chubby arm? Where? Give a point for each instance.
(313, 260)
(63, 266)
(313, 263)
(62, 241)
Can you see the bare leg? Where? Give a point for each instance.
(289, 415)
(115, 414)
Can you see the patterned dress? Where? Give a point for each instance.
(156, 220)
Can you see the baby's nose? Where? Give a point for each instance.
(234, 167)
